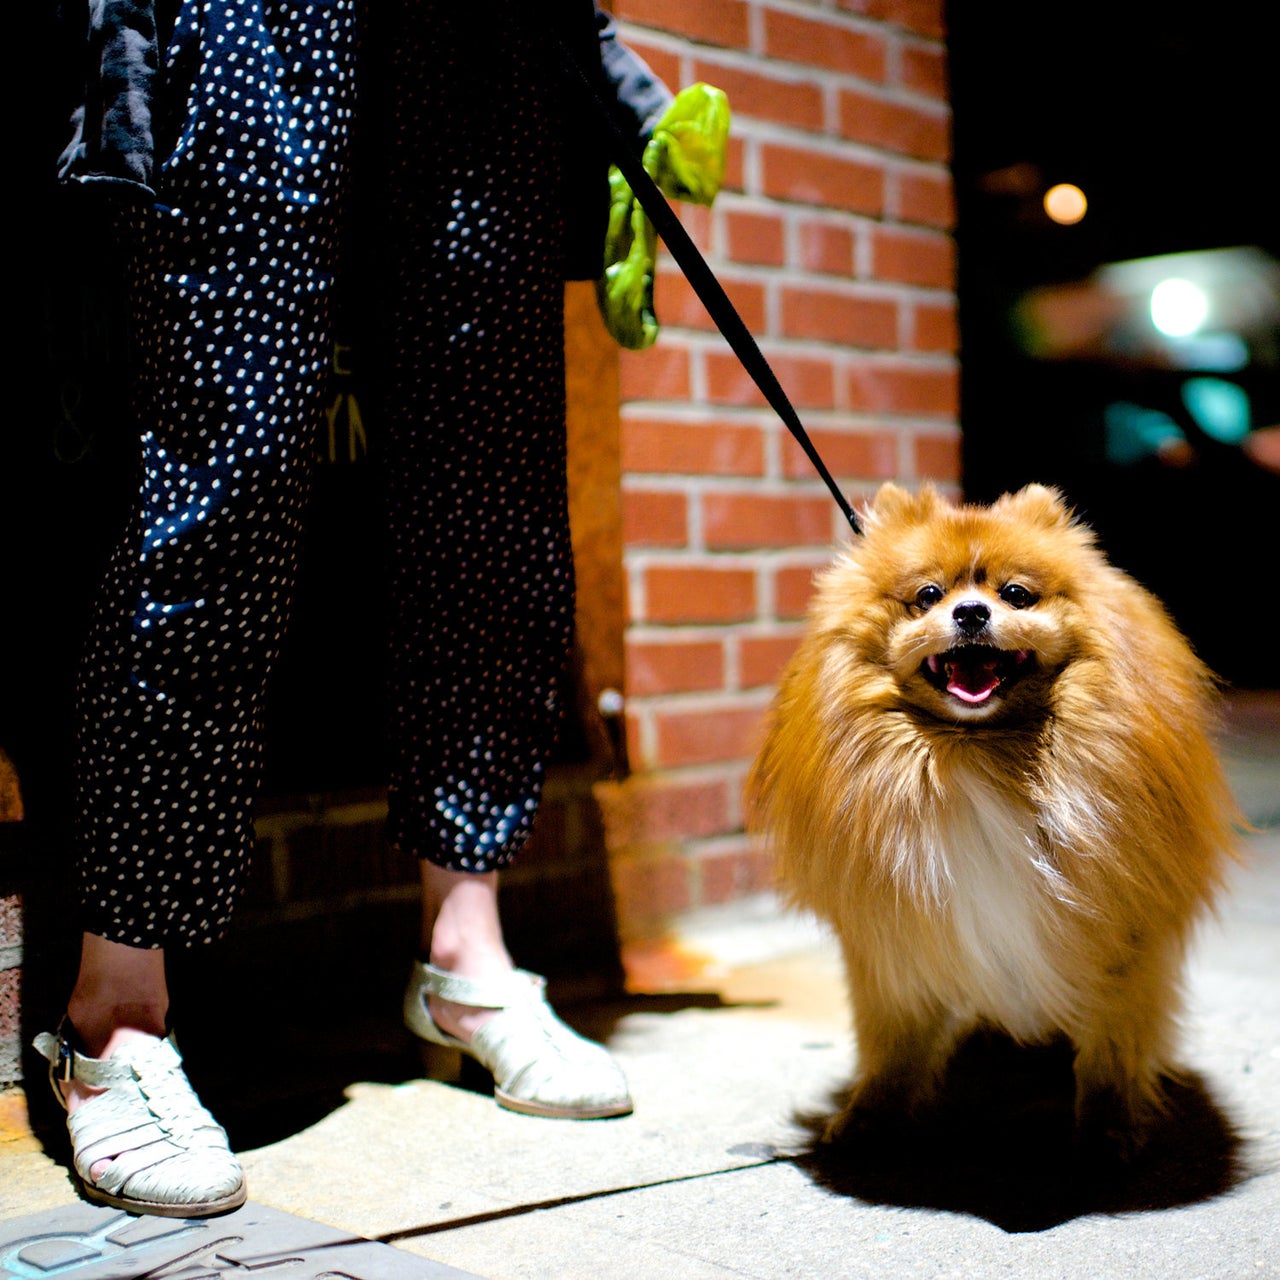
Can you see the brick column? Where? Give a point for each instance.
(833, 237)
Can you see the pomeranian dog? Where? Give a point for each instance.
(988, 767)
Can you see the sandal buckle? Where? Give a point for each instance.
(64, 1068)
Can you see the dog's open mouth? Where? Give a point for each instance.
(974, 672)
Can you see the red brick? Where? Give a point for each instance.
(761, 659)
(696, 220)
(706, 735)
(903, 388)
(660, 373)
(10, 918)
(654, 518)
(645, 888)
(926, 199)
(896, 126)
(797, 103)
(673, 666)
(924, 17)
(861, 453)
(698, 593)
(937, 457)
(10, 1024)
(677, 304)
(726, 875)
(720, 878)
(756, 238)
(817, 43)
(793, 589)
(806, 176)
(809, 382)
(844, 316)
(737, 521)
(664, 445)
(913, 257)
(719, 22)
(735, 164)
(664, 808)
(637, 752)
(924, 70)
(934, 327)
(761, 870)
(825, 247)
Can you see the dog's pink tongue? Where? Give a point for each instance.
(972, 681)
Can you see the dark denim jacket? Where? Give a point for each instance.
(113, 138)
(115, 126)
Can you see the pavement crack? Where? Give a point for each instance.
(560, 1202)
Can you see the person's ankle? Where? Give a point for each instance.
(470, 961)
(76, 1093)
(101, 1028)
(463, 1020)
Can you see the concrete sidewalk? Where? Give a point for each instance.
(714, 1176)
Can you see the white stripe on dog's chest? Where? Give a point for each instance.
(998, 898)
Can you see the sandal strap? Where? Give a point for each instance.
(521, 987)
(67, 1063)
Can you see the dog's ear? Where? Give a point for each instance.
(1037, 504)
(895, 505)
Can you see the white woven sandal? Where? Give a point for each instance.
(168, 1155)
(540, 1067)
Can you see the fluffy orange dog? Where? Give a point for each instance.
(988, 767)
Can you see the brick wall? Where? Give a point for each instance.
(832, 237)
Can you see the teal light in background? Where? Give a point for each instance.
(1134, 432)
(1220, 408)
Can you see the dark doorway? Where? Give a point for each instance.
(1164, 117)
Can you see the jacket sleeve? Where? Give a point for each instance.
(641, 96)
(113, 138)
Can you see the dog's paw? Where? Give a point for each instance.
(864, 1125)
(1108, 1132)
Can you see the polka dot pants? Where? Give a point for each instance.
(481, 566)
(231, 300)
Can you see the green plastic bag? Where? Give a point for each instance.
(685, 157)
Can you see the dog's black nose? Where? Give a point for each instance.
(971, 616)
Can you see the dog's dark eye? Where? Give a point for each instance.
(1016, 596)
(928, 596)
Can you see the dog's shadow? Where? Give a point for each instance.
(1000, 1146)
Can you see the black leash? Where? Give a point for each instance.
(707, 287)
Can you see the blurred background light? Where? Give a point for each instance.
(1212, 310)
(1220, 408)
(1178, 307)
(1065, 203)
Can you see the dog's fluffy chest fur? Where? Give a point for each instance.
(997, 895)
